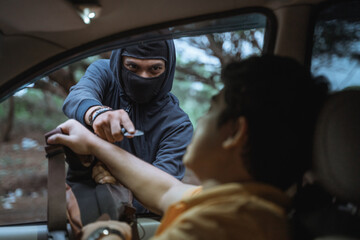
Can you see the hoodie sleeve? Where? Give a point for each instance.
(172, 149)
(88, 92)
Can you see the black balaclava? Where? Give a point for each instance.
(137, 88)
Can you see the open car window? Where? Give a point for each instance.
(202, 48)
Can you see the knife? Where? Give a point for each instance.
(127, 134)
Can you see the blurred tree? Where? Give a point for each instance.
(336, 39)
(336, 33)
(60, 81)
(56, 84)
(220, 49)
(9, 120)
(199, 62)
(336, 50)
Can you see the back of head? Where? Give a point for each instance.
(280, 100)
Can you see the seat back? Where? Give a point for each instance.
(337, 146)
(337, 163)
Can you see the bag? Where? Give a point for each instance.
(87, 201)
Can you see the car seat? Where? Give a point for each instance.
(327, 209)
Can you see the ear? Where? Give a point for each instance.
(239, 137)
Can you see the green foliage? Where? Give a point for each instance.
(3, 110)
(35, 109)
(79, 68)
(78, 73)
(199, 62)
(194, 98)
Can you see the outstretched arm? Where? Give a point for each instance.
(153, 187)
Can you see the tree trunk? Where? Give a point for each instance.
(10, 120)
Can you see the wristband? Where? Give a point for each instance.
(92, 113)
(103, 232)
(98, 112)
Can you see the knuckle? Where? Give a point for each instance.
(107, 178)
(117, 135)
(108, 115)
(71, 120)
(120, 138)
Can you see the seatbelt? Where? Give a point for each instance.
(57, 218)
(56, 210)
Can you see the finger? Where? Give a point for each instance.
(116, 130)
(96, 169)
(108, 134)
(107, 179)
(123, 227)
(66, 126)
(60, 139)
(110, 179)
(100, 132)
(99, 170)
(101, 178)
(101, 166)
(98, 177)
(126, 122)
(102, 127)
(91, 227)
(102, 173)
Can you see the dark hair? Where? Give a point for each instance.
(280, 100)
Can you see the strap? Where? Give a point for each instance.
(56, 189)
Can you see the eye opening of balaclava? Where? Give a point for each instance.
(137, 88)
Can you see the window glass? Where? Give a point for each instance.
(202, 49)
(336, 51)
(24, 118)
(199, 62)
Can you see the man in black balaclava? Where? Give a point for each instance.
(132, 91)
(143, 71)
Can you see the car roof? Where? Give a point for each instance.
(34, 31)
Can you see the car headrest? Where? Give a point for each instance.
(337, 146)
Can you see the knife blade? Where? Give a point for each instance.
(127, 134)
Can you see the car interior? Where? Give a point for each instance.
(335, 158)
(326, 206)
(45, 47)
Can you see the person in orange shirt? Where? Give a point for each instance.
(253, 144)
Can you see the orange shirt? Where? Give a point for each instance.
(229, 211)
(176, 209)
